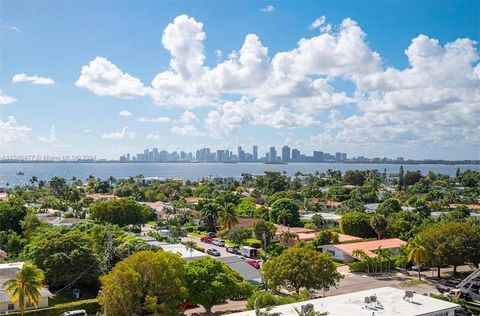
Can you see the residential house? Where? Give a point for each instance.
(101, 196)
(384, 301)
(344, 252)
(8, 271)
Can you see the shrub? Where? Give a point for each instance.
(255, 243)
(91, 306)
(361, 266)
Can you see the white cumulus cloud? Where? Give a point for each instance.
(268, 9)
(12, 131)
(123, 134)
(5, 99)
(160, 119)
(125, 113)
(104, 78)
(32, 79)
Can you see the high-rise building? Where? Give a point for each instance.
(255, 152)
(240, 154)
(295, 155)
(155, 154)
(344, 156)
(273, 153)
(318, 156)
(338, 156)
(285, 153)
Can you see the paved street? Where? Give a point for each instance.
(222, 250)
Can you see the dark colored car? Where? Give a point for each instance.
(211, 234)
(213, 252)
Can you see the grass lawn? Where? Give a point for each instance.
(196, 234)
(151, 222)
(411, 283)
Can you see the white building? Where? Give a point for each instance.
(8, 271)
(379, 302)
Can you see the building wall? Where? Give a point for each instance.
(4, 305)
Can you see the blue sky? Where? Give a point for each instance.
(370, 78)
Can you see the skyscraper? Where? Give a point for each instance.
(273, 153)
(255, 152)
(285, 153)
(295, 155)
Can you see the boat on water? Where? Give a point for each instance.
(20, 173)
(275, 163)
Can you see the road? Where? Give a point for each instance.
(222, 250)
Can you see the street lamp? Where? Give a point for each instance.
(104, 302)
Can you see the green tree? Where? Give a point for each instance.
(357, 224)
(286, 212)
(401, 179)
(11, 214)
(144, 283)
(271, 183)
(123, 212)
(412, 177)
(319, 222)
(389, 206)
(211, 281)
(417, 253)
(264, 231)
(25, 286)
(326, 237)
(67, 257)
(301, 267)
(210, 212)
(354, 177)
(239, 235)
(228, 216)
(379, 224)
(190, 246)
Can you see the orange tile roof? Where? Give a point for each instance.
(344, 238)
(369, 247)
(332, 203)
(192, 200)
(298, 230)
(469, 206)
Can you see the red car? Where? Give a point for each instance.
(187, 305)
(206, 239)
(253, 263)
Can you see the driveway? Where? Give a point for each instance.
(222, 250)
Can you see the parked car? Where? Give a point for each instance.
(253, 263)
(80, 312)
(233, 249)
(211, 234)
(219, 242)
(206, 239)
(213, 252)
(422, 268)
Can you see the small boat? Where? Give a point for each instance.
(20, 173)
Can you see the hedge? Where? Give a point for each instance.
(91, 306)
(361, 266)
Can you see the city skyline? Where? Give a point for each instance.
(242, 155)
(179, 75)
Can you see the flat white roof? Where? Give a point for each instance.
(182, 250)
(391, 300)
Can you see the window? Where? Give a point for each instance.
(442, 314)
(11, 307)
(331, 252)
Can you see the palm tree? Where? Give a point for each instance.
(310, 312)
(190, 246)
(362, 256)
(287, 237)
(417, 253)
(33, 180)
(265, 312)
(26, 285)
(228, 218)
(284, 215)
(379, 225)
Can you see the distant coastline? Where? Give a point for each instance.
(381, 162)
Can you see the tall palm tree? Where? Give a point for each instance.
(190, 246)
(33, 180)
(229, 217)
(417, 253)
(311, 312)
(26, 285)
